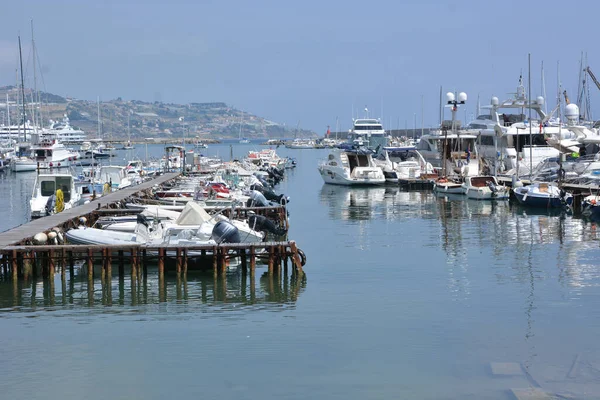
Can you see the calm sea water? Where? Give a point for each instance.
(406, 296)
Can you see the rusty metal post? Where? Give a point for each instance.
(71, 265)
(145, 263)
(108, 265)
(185, 262)
(252, 261)
(271, 260)
(223, 260)
(134, 261)
(161, 263)
(296, 256)
(15, 268)
(121, 264)
(51, 263)
(90, 264)
(178, 261)
(63, 263)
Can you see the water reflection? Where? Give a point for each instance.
(126, 294)
(381, 202)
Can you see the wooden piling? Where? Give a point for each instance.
(15, 268)
(121, 264)
(90, 263)
(271, 260)
(252, 261)
(185, 263)
(161, 263)
(134, 262)
(108, 265)
(296, 256)
(178, 261)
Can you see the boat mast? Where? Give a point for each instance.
(8, 112)
(529, 106)
(99, 125)
(441, 107)
(22, 90)
(34, 77)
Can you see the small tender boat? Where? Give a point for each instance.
(47, 200)
(543, 194)
(351, 167)
(448, 186)
(482, 187)
(590, 206)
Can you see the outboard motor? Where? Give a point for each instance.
(492, 187)
(257, 199)
(141, 219)
(50, 204)
(260, 223)
(225, 232)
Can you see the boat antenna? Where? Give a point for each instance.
(22, 90)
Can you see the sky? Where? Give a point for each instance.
(303, 63)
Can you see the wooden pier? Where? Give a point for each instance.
(20, 258)
(28, 230)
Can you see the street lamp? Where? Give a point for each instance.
(453, 102)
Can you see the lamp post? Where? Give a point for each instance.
(453, 102)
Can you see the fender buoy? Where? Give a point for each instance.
(302, 257)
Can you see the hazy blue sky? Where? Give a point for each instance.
(302, 61)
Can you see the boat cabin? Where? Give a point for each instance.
(47, 185)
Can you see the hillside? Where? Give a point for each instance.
(157, 119)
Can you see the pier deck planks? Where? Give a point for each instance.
(46, 223)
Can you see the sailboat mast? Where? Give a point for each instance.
(22, 90)
(99, 125)
(441, 107)
(529, 104)
(8, 111)
(34, 78)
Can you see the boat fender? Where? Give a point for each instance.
(52, 237)
(40, 238)
(302, 257)
(82, 220)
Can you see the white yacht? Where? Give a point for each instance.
(368, 132)
(513, 137)
(351, 167)
(46, 154)
(44, 200)
(64, 132)
(301, 144)
(402, 163)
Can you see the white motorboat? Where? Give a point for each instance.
(116, 176)
(448, 186)
(543, 195)
(301, 144)
(482, 187)
(351, 167)
(47, 199)
(402, 163)
(46, 154)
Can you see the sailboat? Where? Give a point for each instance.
(241, 139)
(128, 145)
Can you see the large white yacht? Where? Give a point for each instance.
(351, 166)
(64, 132)
(508, 137)
(368, 132)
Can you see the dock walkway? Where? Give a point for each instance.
(31, 228)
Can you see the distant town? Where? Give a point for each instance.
(120, 119)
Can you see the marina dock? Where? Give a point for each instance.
(20, 257)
